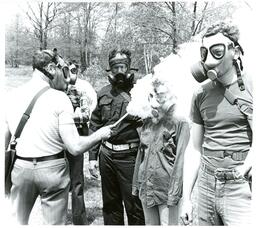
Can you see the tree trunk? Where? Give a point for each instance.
(69, 34)
(145, 58)
(16, 62)
(194, 18)
(41, 27)
(45, 39)
(174, 26)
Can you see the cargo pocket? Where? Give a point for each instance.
(106, 109)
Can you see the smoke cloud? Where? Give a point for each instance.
(174, 70)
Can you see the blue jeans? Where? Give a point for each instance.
(222, 198)
(50, 180)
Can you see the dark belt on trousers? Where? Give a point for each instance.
(235, 155)
(44, 158)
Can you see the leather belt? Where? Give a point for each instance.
(120, 146)
(235, 155)
(44, 158)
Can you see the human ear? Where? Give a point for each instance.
(51, 68)
(237, 52)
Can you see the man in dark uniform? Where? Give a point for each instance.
(117, 155)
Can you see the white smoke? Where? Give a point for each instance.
(139, 105)
(174, 70)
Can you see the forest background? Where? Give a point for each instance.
(87, 31)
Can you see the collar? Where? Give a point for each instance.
(39, 78)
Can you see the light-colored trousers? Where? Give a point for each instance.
(50, 180)
(223, 202)
(161, 215)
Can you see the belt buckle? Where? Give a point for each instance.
(34, 161)
(227, 154)
(220, 174)
(225, 174)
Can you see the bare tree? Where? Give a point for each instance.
(197, 24)
(41, 17)
(15, 63)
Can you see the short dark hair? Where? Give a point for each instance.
(42, 58)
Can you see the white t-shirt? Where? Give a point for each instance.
(88, 96)
(40, 136)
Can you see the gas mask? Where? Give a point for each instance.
(60, 63)
(69, 77)
(121, 79)
(162, 101)
(119, 74)
(73, 71)
(200, 71)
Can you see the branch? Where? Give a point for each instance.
(54, 12)
(31, 19)
(49, 19)
(33, 13)
(169, 6)
(161, 30)
(34, 21)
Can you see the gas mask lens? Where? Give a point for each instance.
(217, 51)
(65, 71)
(74, 70)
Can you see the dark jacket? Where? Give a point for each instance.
(158, 173)
(111, 107)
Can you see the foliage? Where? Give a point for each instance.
(96, 76)
(87, 31)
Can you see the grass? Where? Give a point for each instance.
(15, 77)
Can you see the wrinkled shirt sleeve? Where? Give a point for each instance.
(176, 180)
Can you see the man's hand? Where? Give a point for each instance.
(105, 132)
(243, 171)
(186, 212)
(93, 169)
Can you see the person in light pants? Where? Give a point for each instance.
(158, 173)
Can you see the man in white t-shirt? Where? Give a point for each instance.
(84, 100)
(41, 168)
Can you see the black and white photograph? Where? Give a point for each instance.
(128, 112)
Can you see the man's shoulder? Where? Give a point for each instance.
(204, 88)
(82, 84)
(56, 96)
(104, 90)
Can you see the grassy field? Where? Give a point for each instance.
(15, 77)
